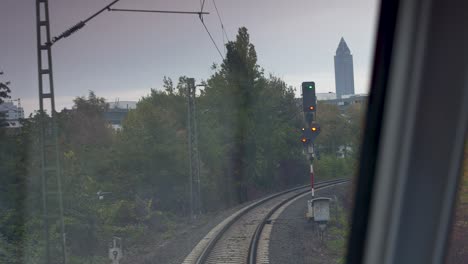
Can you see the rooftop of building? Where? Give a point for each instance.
(122, 105)
(343, 48)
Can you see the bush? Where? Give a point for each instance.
(330, 166)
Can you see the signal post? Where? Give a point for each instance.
(317, 208)
(312, 128)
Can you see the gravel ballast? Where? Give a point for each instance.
(294, 240)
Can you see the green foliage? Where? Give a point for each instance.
(338, 233)
(329, 166)
(339, 141)
(4, 91)
(458, 250)
(340, 129)
(4, 94)
(247, 125)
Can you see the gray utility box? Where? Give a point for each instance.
(318, 209)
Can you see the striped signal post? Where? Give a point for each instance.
(312, 178)
(310, 154)
(308, 136)
(306, 141)
(313, 133)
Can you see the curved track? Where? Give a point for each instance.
(237, 238)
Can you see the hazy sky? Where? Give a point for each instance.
(123, 55)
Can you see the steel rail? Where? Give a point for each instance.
(203, 257)
(252, 255)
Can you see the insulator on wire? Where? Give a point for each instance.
(70, 31)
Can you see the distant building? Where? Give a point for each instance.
(345, 100)
(12, 113)
(342, 103)
(344, 73)
(117, 112)
(325, 96)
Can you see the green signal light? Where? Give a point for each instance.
(310, 87)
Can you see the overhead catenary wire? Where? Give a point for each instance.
(211, 37)
(200, 15)
(202, 2)
(220, 21)
(202, 5)
(158, 11)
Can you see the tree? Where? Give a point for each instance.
(355, 118)
(153, 149)
(340, 135)
(4, 90)
(168, 85)
(84, 124)
(333, 132)
(249, 121)
(4, 94)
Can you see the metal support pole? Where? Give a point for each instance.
(50, 161)
(194, 159)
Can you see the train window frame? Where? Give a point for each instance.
(416, 51)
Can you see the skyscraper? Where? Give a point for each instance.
(344, 75)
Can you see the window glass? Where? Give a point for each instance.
(142, 131)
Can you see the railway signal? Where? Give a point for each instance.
(309, 100)
(304, 137)
(309, 106)
(314, 131)
(309, 134)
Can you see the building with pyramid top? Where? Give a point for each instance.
(344, 74)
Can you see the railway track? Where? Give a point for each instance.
(243, 237)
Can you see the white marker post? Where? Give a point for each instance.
(115, 250)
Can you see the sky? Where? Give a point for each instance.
(121, 56)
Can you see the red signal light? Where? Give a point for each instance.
(311, 107)
(303, 140)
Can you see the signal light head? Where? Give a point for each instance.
(308, 97)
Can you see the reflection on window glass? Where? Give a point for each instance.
(458, 243)
(155, 129)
